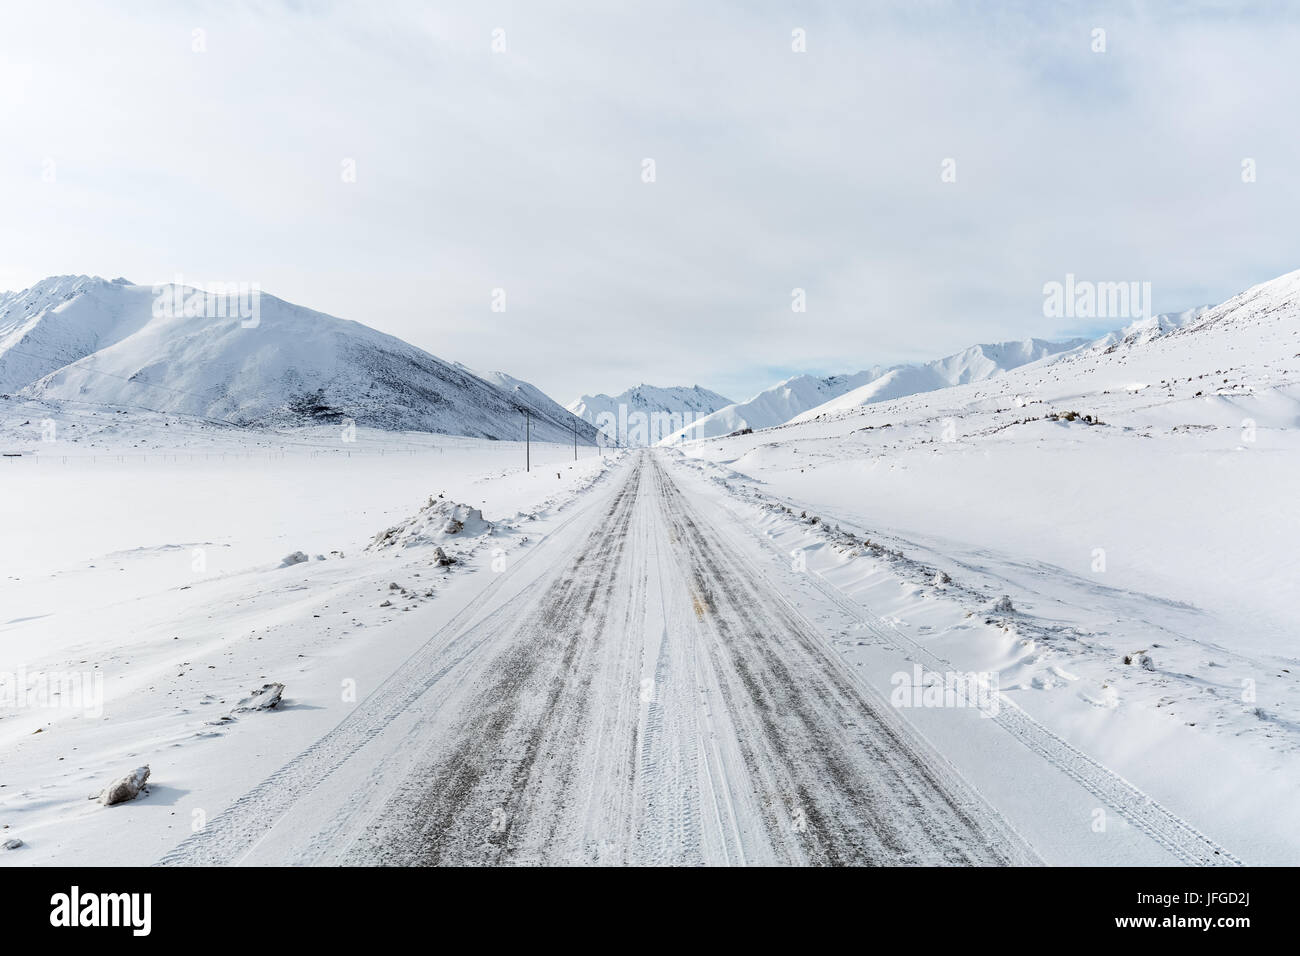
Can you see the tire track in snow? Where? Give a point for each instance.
(496, 793)
(235, 832)
(845, 781)
(1163, 826)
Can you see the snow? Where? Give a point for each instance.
(438, 521)
(1142, 535)
(610, 700)
(148, 555)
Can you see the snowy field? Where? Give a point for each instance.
(142, 561)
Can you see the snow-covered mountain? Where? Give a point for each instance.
(249, 359)
(625, 416)
(772, 406)
(808, 395)
(979, 363)
(1255, 331)
(1144, 330)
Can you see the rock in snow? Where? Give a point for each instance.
(127, 788)
(266, 697)
(297, 557)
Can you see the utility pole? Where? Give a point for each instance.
(528, 432)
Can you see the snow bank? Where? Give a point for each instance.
(439, 520)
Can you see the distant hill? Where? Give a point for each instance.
(646, 413)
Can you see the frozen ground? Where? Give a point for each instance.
(636, 676)
(149, 552)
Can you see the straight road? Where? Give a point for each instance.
(647, 697)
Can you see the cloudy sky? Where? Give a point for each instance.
(213, 141)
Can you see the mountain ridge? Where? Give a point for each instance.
(799, 395)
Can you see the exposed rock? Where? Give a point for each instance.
(266, 697)
(127, 788)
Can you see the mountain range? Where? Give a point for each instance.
(645, 414)
(806, 397)
(253, 359)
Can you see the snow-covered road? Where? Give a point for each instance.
(632, 690)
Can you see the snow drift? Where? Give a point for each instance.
(439, 520)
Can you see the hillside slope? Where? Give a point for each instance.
(979, 363)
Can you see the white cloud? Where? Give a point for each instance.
(521, 170)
